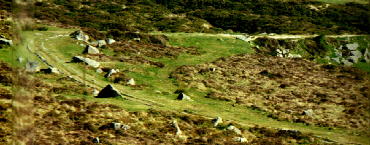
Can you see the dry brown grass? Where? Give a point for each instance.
(57, 120)
(286, 88)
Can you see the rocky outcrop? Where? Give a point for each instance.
(91, 50)
(80, 35)
(109, 92)
(88, 61)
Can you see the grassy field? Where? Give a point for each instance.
(159, 88)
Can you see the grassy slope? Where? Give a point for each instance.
(61, 50)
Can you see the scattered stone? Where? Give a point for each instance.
(32, 66)
(110, 41)
(213, 69)
(137, 39)
(183, 96)
(355, 56)
(240, 139)
(336, 59)
(51, 70)
(178, 131)
(367, 55)
(294, 55)
(131, 82)
(88, 61)
(99, 70)
(308, 112)
(94, 43)
(80, 35)
(101, 43)
(125, 127)
(4, 41)
(96, 140)
(116, 126)
(91, 50)
(233, 128)
(109, 92)
(95, 92)
(20, 59)
(110, 72)
(352, 46)
(217, 121)
(347, 63)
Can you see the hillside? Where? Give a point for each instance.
(184, 72)
(247, 16)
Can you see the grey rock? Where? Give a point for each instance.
(125, 127)
(80, 35)
(308, 112)
(110, 41)
(109, 92)
(367, 55)
(116, 126)
(178, 130)
(137, 39)
(347, 63)
(20, 59)
(96, 140)
(91, 50)
(352, 46)
(233, 128)
(131, 82)
(183, 96)
(336, 59)
(101, 43)
(4, 41)
(294, 55)
(88, 61)
(32, 66)
(99, 70)
(240, 139)
(217, 121)
(110, 72)
(94, 43)
(51, 70)
(95, 92)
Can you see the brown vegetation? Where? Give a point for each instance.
(58, 120)
(289, 89)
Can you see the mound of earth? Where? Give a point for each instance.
(55, 119)
(289, 89)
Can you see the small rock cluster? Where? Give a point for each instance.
(349, 54)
